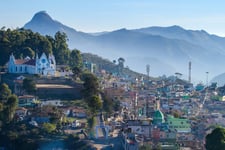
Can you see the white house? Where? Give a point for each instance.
(26, 101)
(21, 111)
(43, 65)
(57, 103)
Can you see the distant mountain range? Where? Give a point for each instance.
(166, 49)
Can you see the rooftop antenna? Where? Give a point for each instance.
(148, 70)
(207, 74)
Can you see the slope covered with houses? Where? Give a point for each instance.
(168, 112)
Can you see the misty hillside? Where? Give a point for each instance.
(166, 49)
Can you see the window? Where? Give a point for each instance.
(16, 69)
(43, 60)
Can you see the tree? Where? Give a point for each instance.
(8, 104)
(55, 115)
(27, 51)
(29, 86)
(216, 139)
(76, 71)
(145, 147)
(5, 92)
(121, 62)
(107, 103)
(92, 121)
(176, 114)
(60, 48)
(121, 65)
(91, 97)
(76, 62)
(91, 85)
(94, 104)
(11, 106)
(75, 59)
(116, 105)
(1, 114)
(1, 107)
(49, 127)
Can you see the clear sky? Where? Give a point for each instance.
(108, 15)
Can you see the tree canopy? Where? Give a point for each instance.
(29, 86)
(216, 139)
(8, 104)
(91, 94)
(22, 43)
(94, 104)
(76, 59)
(5, 92)
(91, 85)
(76, 62)
(60, 48)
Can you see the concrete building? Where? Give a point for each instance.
(179, 125)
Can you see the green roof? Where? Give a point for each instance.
(178, 124)
(158, 117)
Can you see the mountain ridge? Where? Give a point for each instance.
(166, 49)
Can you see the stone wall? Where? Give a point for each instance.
(51, 92)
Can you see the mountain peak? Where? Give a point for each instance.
(175, 27)
(42, 16)
(43, 23)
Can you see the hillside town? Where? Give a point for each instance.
(168, 113)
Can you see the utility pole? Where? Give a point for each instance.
(207, 73)
(148, 70)
(189, 75)
(206, 93)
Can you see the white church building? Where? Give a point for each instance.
(43, 65)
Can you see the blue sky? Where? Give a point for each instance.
(108, 15)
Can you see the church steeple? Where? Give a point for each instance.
(36, 56)
(12, 58)
(36, 63)
(11, 63)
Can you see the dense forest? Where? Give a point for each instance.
(24, 43)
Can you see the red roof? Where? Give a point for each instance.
(20, 61)
(25, 62)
